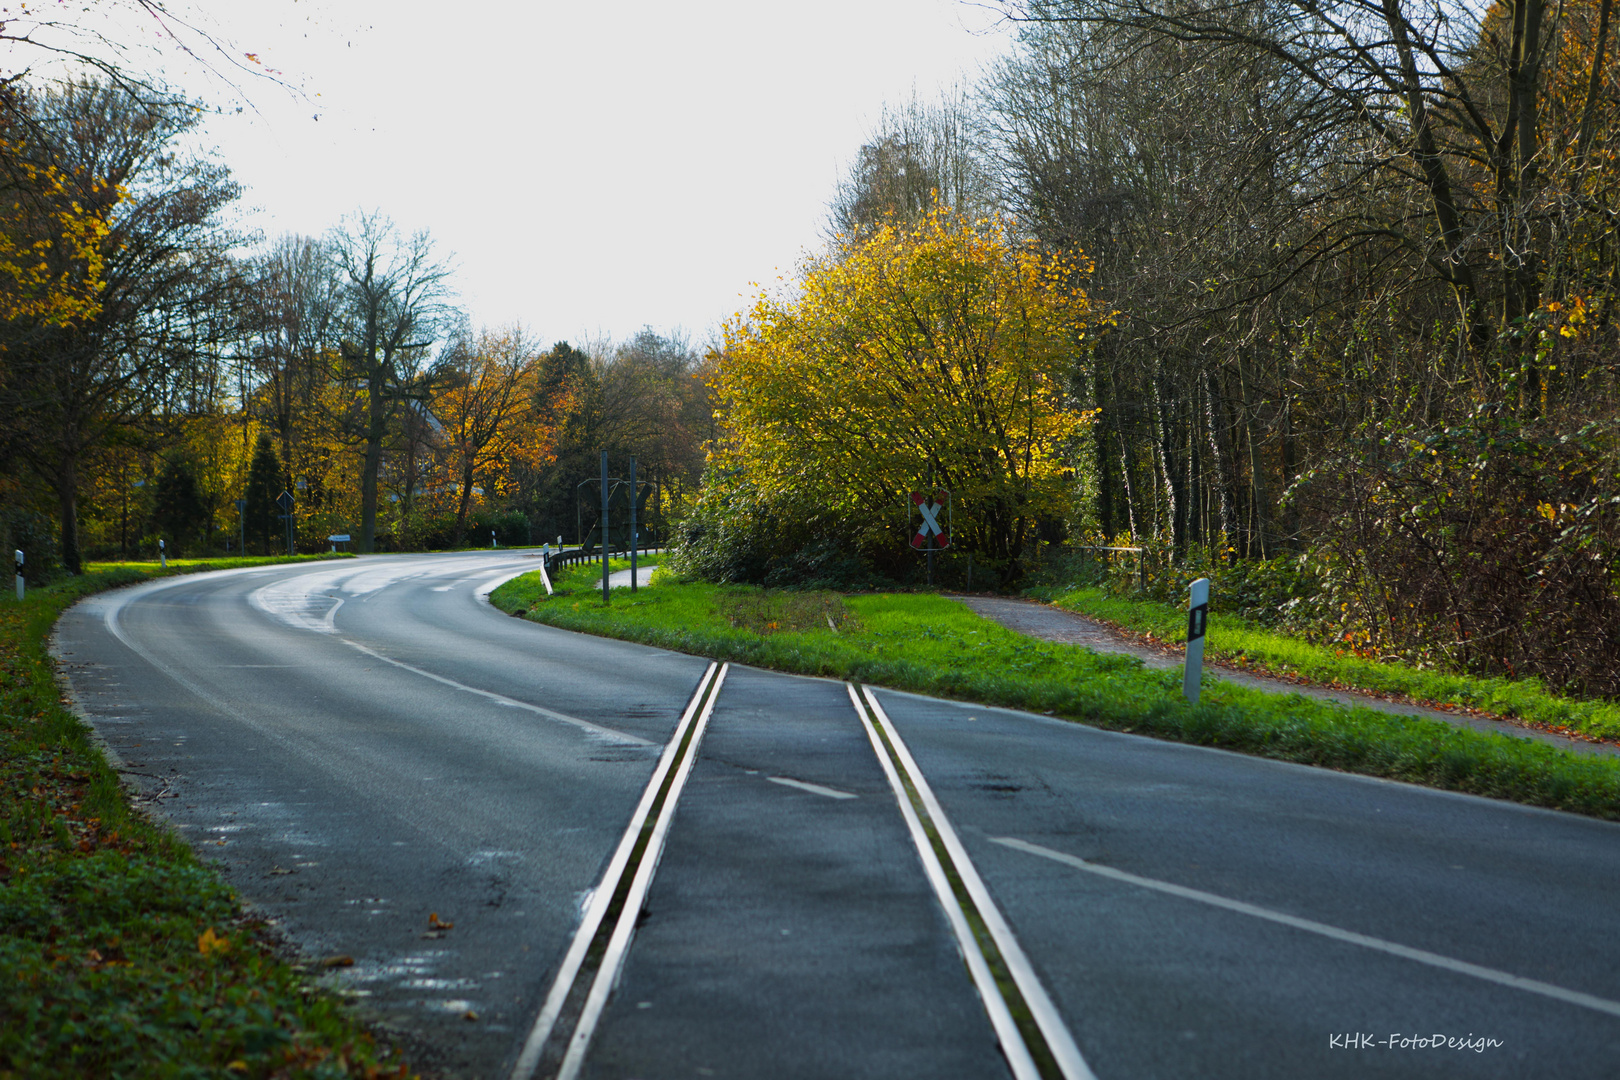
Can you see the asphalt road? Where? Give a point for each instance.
(366, 745)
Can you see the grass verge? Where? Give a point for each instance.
(932, 645)
(1232, 640)
(121, 955)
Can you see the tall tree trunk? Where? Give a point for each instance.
(67, 493)
(1257, 472)
(1105, 472)
(461, 508)
(1290, 465)
(1169, 476)
(1125, 472)
(1220, 447)
(376, 427)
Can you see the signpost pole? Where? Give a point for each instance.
(241, 526)
(604, 530)
(931, 539)
(931, 535)
(633, 537)
(1197, 623)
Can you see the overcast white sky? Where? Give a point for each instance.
(594, 167)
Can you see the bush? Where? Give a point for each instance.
(35, 535)
(1284, 593)
(511, 528)
(439, 532)
(1490, 547)
(737, 535)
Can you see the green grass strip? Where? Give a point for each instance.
(1232, 640)
(121, 954)
(932, 645)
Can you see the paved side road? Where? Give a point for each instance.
(1054, 624)
(360, 746)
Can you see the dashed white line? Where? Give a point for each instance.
(814, 789)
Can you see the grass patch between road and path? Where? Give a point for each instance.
(122, 954)
(1233, 640)
(926, 643)
(575, 579)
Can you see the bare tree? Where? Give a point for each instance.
(395, 293)
(286, 361)
(1439, 106)
(922, 155)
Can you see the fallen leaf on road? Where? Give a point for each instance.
(338, 961)
(436, 923)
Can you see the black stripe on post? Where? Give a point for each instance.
(1197, 620)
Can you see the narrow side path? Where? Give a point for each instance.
(1049, 623)
(621, 579)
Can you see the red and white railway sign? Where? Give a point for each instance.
(932, 533)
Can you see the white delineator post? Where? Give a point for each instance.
(163, 556)
(1197, 622)
(22, 586)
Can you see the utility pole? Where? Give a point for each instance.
(633, 538)
(604, 529)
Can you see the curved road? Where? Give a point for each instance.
(399, 776)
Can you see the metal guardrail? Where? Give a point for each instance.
(559, 559)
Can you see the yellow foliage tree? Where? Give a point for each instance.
(50, 243)
(487, 410)
(939, 349)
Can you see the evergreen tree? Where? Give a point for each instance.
(264, 484)
(180, 516)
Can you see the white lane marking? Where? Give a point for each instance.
(329, 622)
(596, 904)
(814, 789)
(1406, 952)
(111, 618)
(607, 733)
(490, 584)
(1041, 1009)
(297, 602)
(984, 981)
(300, 601)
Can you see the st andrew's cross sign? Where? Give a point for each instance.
(931, 520)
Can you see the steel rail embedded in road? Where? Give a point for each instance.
(926, 821)
(628, 877)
